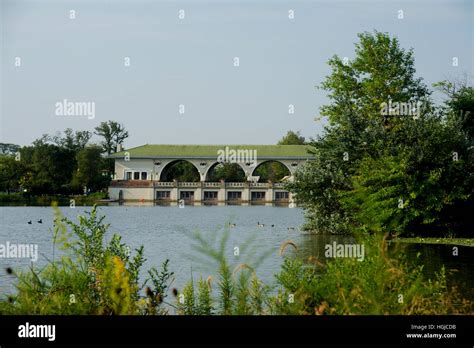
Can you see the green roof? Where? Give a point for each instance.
(211, 151)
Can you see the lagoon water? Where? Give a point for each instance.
(166, 232)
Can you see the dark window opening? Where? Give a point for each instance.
(258, 196)
(281, 196)
(162, 194)
(186, 195)
(234, 195)
(210, 195)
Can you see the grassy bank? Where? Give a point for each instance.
(443, 241)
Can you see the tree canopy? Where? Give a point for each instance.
(292, 138)
(398, 172)
(113, 134)
(62, 163)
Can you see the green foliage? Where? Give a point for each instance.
(230, 172)
(9, 149)
(60, 164)
(196, 300)
(317, 186)
(91, 169)
(237, 287)
(113, 134)
(161, 281)
(52, 167)
(259, 294)
(96, 278)
(186, 303)
(226, 288)
(74, 141)
(292, 138)
(271, 171)
(10, 172)
(204, 299)
(181, 171)
(91, 250)
(377, 285)
(380, 284)
(12, 197)
(388, 173)
(102, 278)
(378, 200)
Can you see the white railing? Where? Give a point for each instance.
(235, 184)
(259, 184)
(218, 184)
(189, 184)
(212, 184)
(164, 184)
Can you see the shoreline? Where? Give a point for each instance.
(468, 242)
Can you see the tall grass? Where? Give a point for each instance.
(102, 278)
(93, 277)
(377, 285)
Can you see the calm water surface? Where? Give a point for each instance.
(166, 233)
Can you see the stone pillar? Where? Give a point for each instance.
(269, 195)
(174, 195)
(246, 196)
(198, 195)
(222, 194)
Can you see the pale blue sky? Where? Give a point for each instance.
(190, 62)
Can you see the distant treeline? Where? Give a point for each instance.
(66, 163)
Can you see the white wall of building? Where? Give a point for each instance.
(139, 165)
(132, 193)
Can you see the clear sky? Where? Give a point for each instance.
(190, 61)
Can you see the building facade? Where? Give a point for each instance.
(139, 173)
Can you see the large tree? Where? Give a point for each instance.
(70, 140)
(11, 171)
(381, 72)
(52, 167)
(113, 134)
(90, 169)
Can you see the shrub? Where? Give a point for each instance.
(93, 277)
(378, 284)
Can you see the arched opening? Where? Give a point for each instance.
(180, 170)
(229, 172)
(273, 171)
